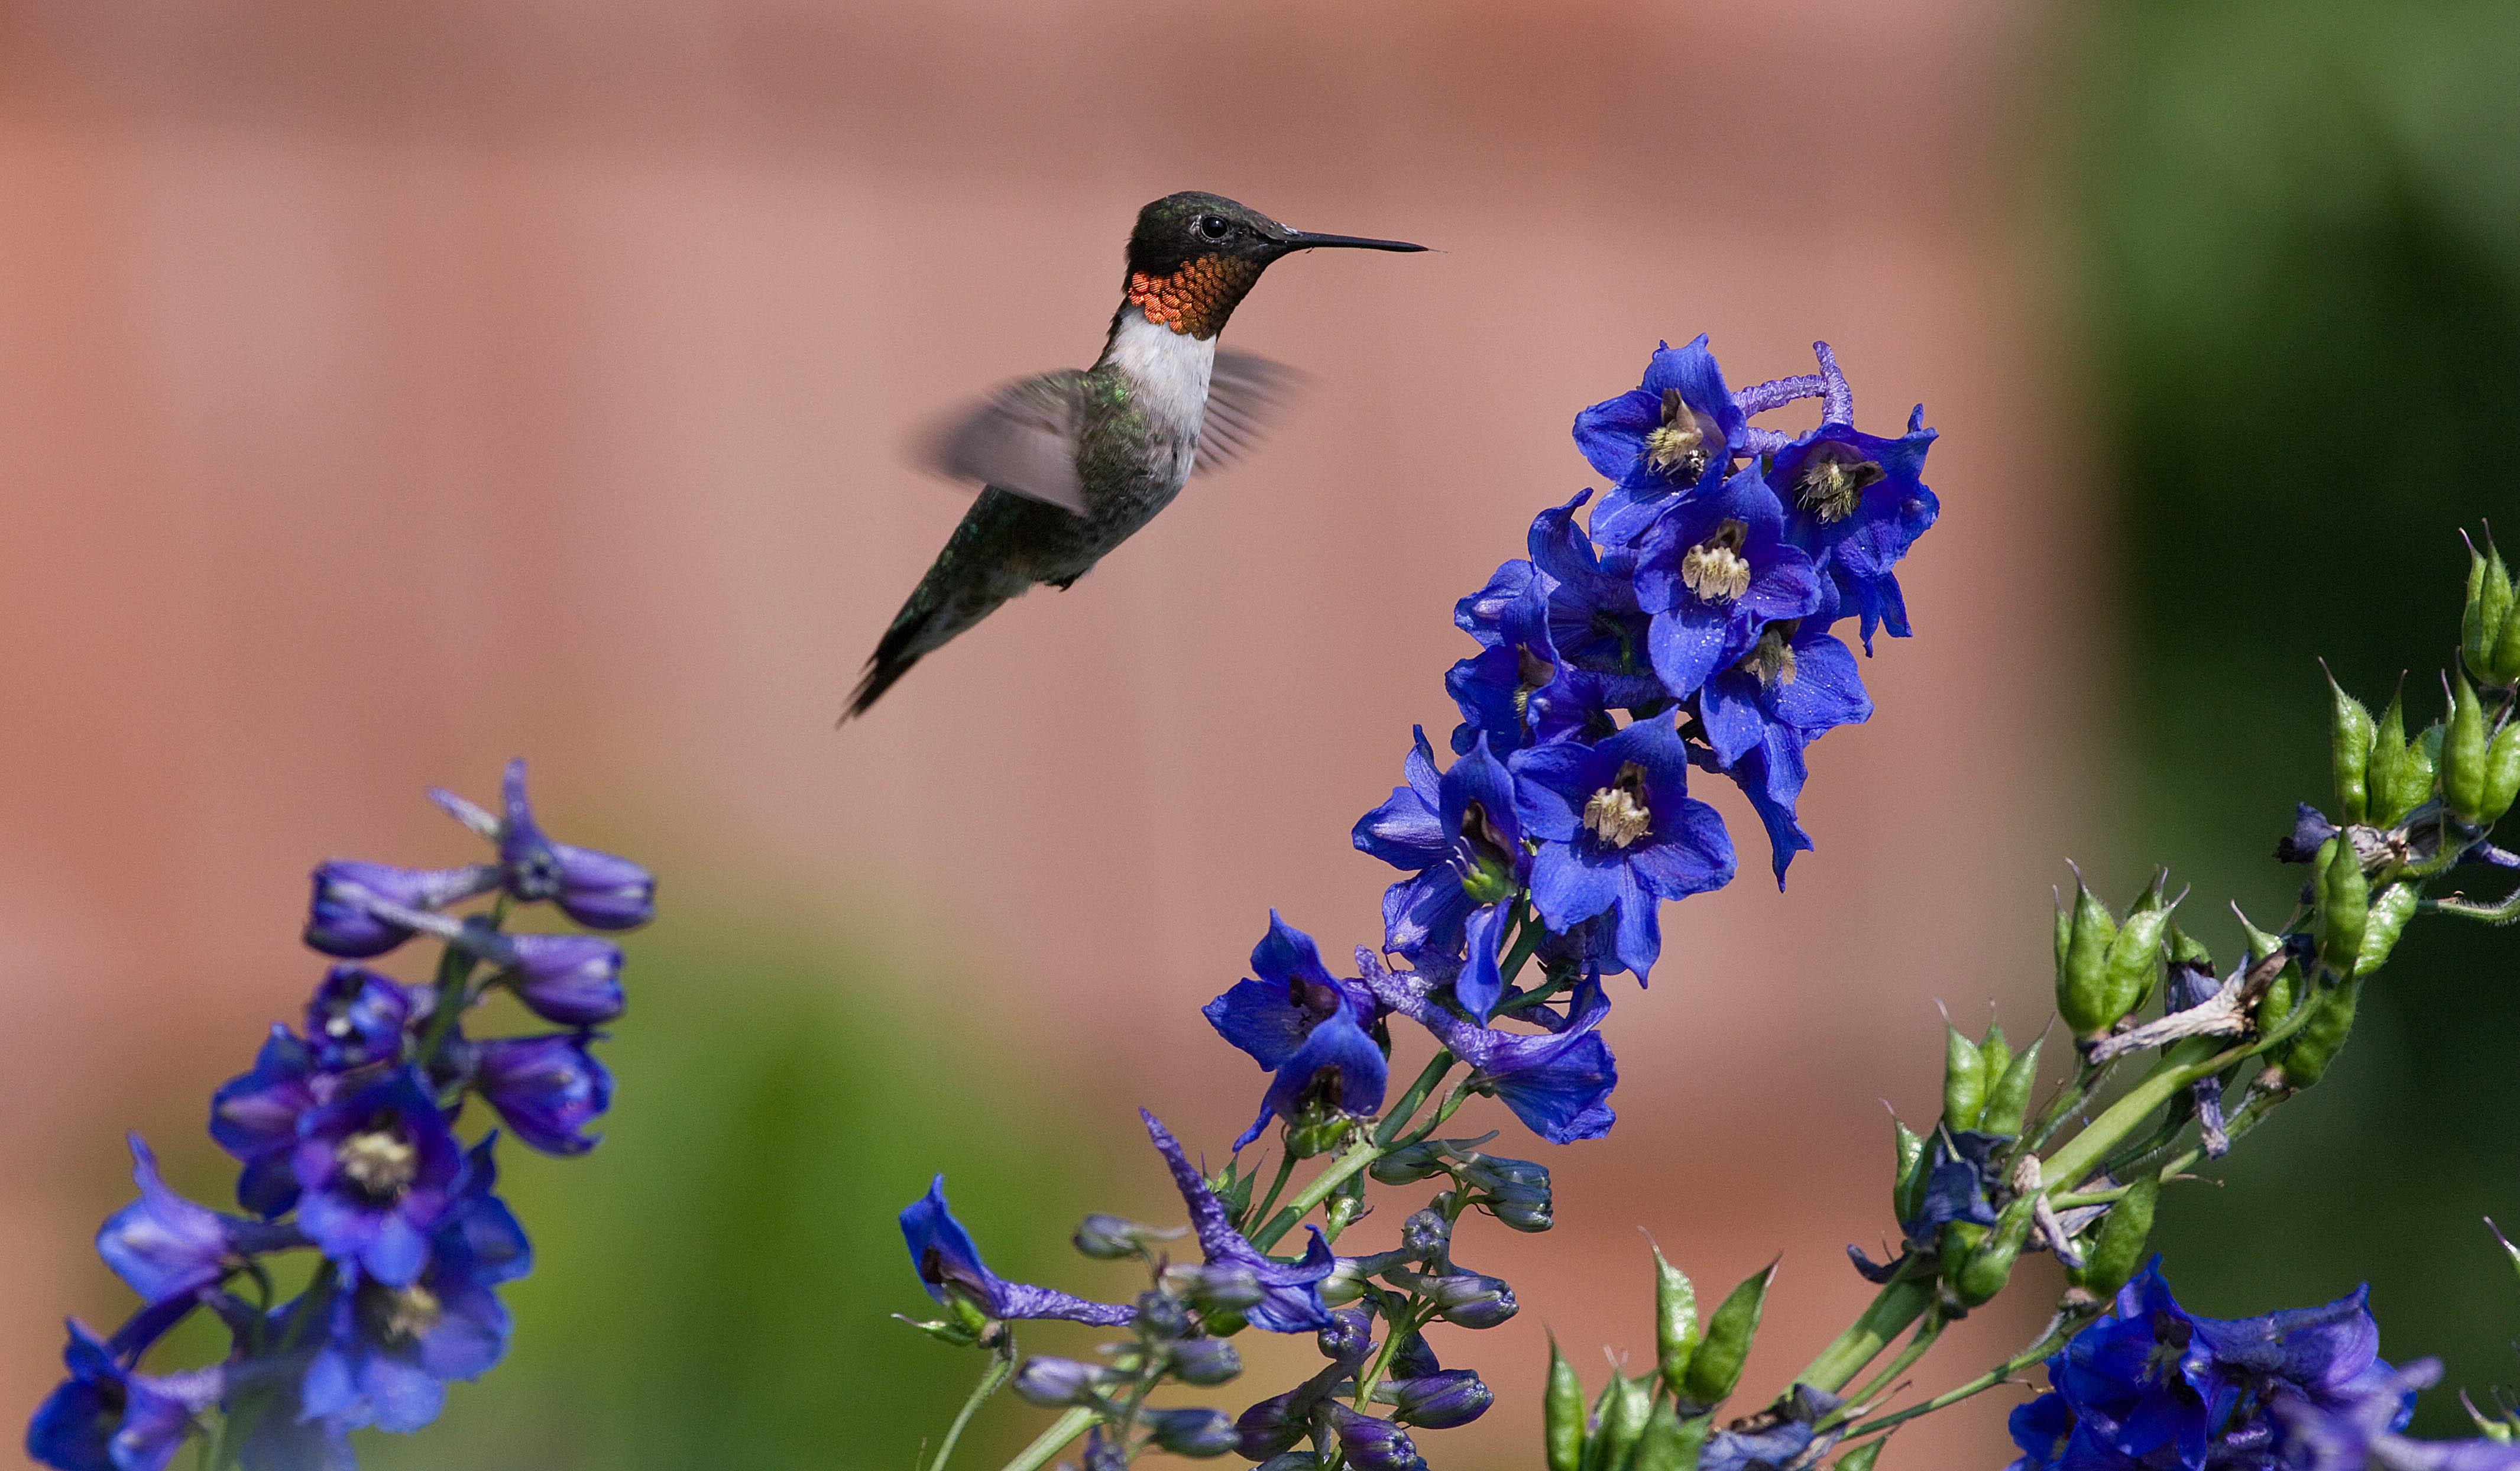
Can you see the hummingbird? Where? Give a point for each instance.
(1073, 464)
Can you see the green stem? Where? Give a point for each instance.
(1926, 1332)
(1050, 1442)
(1444, 1111)
(1359, 1155)
(1002, 1364)
(2057, 1332)
(1899, 1302)
(2087, 1082)
(1398, 1118)
(1276, 1188)
(1523, 945)
(1395, 1331)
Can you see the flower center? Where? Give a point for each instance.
(1770, 660)
(1715, 568)
(412, 1311)
(1485, 860)
(1677, 449)
(1532, 673)
(1617, 813)
(379, 1162)
(1832, 482)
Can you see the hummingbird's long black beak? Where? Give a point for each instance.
(1305, 240)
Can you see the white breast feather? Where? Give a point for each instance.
(1170, 370)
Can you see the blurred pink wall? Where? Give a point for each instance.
(384, 391)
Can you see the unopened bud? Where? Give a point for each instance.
(2462, 753)
(1410, 1164)
(1189, 1432)
(1108, 1239)
(1059, 1383)
(2083, 995)
(1467, 1299)
(1268, 1428)
(1439, 1400)
(2489, 627)
(1205, 1360)
(1371, 1445)
(1228, 1287)
(1160, 1314)
(2350, 731)
(1427, 1235)
(1347, 1335)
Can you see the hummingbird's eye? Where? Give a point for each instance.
(1213, 227)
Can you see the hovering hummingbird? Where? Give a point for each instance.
(1073, 464)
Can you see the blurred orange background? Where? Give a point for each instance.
(386, 390)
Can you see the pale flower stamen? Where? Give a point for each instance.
(1714, 569)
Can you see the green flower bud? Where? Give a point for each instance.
(2082, 995)
(1908, 1186)
(2119, 1250)
(2502, 774)
(1675, 1323)
(1623, 1410)
(1862, 1457)
(2349, 739)
(2322, 1034)
(2402, 773)
(1976, 1280)
(2134, 964)
(2344, 906)
(1346, 1203)
(1716, 1368)
(1963, 1080)
(1562, 1413)
(1669, 1443)
(1232, 1190)
(2389, 916)
(1412, 1163)
(2489, 627)
(2462, 753)
(2007, 1101)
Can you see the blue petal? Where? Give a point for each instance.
(1257, 1017)
(1481, 984)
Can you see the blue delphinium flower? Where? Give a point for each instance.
(338, 924)
(596, 889)
(356, 1017)
(377, 1168)
(166, 1248)
(2358, 1431)
(1619, 834)
(575, 980)
(108, 1417)
(1856, 503)
(951, 1267)
(2150, 1383)
(1780, 1437)
(1462, 833)
(546, 1089)
(1558, 1083)
(1671, 434)
(1290, 1296)
(1519, 688)
(1307, 1028)
(254, 1116)
(1714, 570)
(391, 1351)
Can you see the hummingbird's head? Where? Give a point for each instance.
(1193, 255)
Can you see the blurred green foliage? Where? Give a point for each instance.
(2302, 226)
(712, 1287)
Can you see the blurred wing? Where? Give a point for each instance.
(1243, 392)
(1023, 441)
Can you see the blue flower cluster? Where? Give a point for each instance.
(2151, 1385)
(346, 1134)
(1684, 623)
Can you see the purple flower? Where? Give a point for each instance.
(1440, 1401)
(1772, 775)
(254, 1118)
(378, 1168)
(105, 1417)
(1669, 435)
(1557, 1083)
(357, 1018)
(1290, 1297)
(1714, 570)
(1371, 1445)
(596, 889)
(951, 1267)
(1780, 1437)
(1308, 1029)
(1619, 834)
(1461, 833)
(391, 1351)
(167, 1248)
(1856, 503)
(548, 1088)
(339, 923)
(575, 980)
(2358, 1431)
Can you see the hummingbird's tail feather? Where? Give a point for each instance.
(940, 610)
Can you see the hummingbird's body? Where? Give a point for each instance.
(1073, 463)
